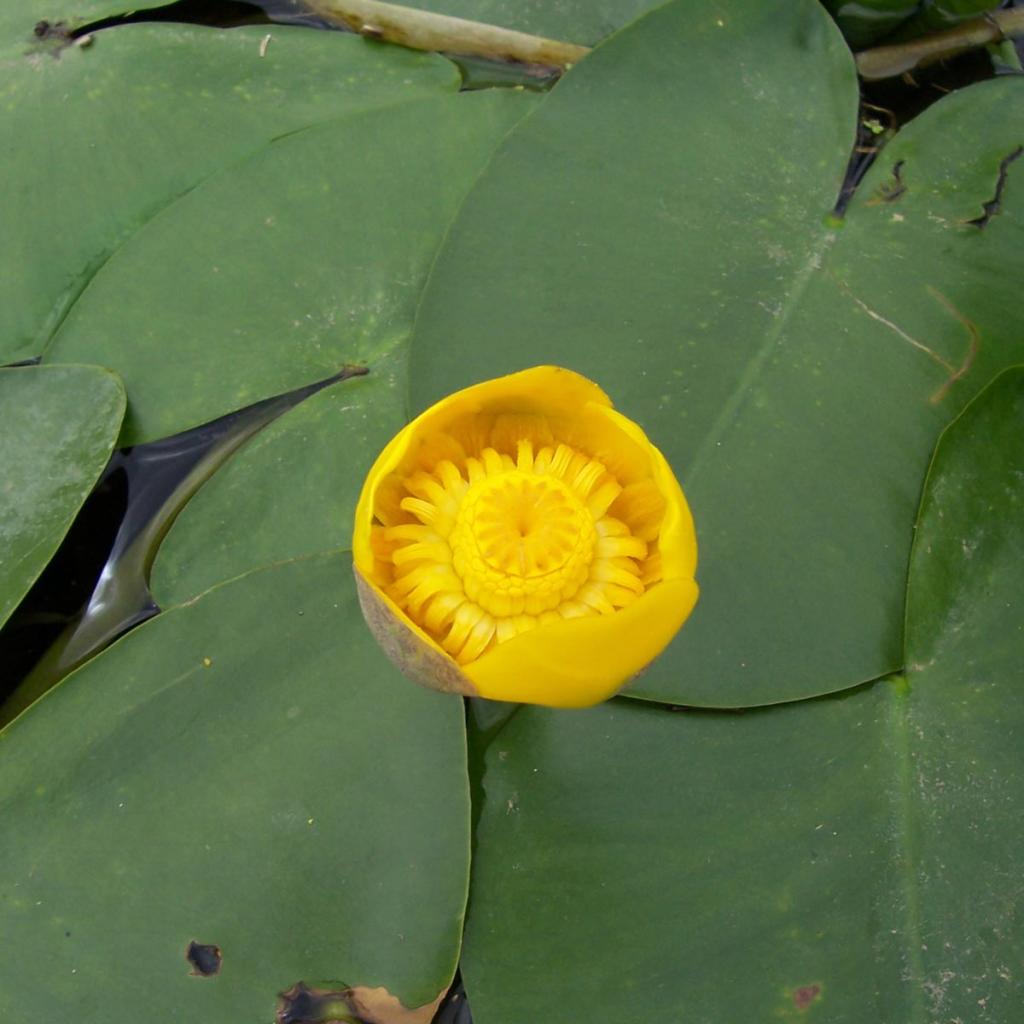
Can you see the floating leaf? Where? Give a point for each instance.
(59, 428)
(867, 20)
(309, 255)
(290, 492)
(857, 855)
(37, 25)
(244, 774)
(795, 370)
(112, 135)
(969, 542)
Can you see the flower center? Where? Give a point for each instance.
(521, 543)
(488, 545)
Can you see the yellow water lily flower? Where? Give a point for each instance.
(523, 541)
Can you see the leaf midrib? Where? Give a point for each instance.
(756, 363)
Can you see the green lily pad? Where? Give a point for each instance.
(113, 135)
(290, 492)
(964, 718)
(866, 21)
(853, 857)
(870, 21)
(795, 369)
(246, 772)
(937, 15)
(962, 543)
(273, 274)
(18, 22)
(59, 428)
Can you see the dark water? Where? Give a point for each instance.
(455, 1008)
(97, 585)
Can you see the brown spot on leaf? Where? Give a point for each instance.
(379, 1006)
(52, 30)
(52, 37)
(308, 1004)
(805, 995)
(205, 959)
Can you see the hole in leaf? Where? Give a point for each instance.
(205, 959)
(302, 1004)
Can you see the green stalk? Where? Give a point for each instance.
(890, 61)
(424, 30)
(440, 33)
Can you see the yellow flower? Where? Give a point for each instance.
(523, 541)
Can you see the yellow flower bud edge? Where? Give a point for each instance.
(407, 646)
(572, 663)
(581, 662)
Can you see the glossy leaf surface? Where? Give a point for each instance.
(290, 492)
(23, 25)
(277, 272)
(245, 771)
(865, 21)
(879, 21)
(59, 425)
(848, 858)
(795, 371)
(586, 22)
(146, 113)
(969, 542)
(221, 217)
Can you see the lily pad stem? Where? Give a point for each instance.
(424, 30)
(898, 59)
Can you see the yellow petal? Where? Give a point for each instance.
(582, 661)
(677, 539)
(619, 547)
(601, 626)
(540, 391)
(437, 551)
(509, 429)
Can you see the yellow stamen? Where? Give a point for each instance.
(506, 529)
